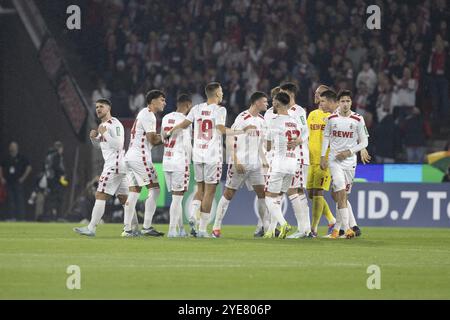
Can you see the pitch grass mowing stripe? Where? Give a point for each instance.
(414, 263)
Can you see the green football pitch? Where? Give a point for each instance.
(413, 264)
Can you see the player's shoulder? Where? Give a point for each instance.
(333, 116)
(244, 115)
(114, 121)
(355, 116)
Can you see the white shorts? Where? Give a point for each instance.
(177, 180)
(278, 182)
(208, 173)
(141, 173)
(301, 175)
(236, 180)
(341, 179)
(113, 183)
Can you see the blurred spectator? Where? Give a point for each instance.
(404, 94)
(386, 140)
(14, 170)
(368, 77)
(55, 174)
(100, 92)
(136, 101)
(414, 136)
(438, 70)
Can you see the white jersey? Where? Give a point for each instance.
(282, 129)
(299, 114)
(208, 145)
(111, 143)
(345, 133)
(177, 148)
(247, 146)
(139, 146)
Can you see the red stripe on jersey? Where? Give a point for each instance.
(110, 121)
(355, 118)
(248, 116)
(333, 116)
(260, 116)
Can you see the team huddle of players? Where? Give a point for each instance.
(282, 152)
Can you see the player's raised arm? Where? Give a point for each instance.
(183, 125)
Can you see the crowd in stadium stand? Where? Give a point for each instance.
(399, 74)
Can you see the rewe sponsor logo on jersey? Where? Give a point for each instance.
(342, 134)
(317, 127)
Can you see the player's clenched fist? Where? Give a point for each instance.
(93, 134)
(101, 129)
(323, 163)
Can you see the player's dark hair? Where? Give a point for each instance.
(283, 97)
(329, 95)
(104, 101)
(153, 94)
(290, 87)
(344, 93)
(183, 98)
(211, 88)
(256, 96)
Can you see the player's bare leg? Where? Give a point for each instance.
(222, 207)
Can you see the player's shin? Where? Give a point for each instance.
(327, 212)
(274, 207)
(344, 215)
(175, 212)
(351, 217)
(305, 222)
(204, 220)
(129, 210)
(222, 207)
(195, 206)
(296, 205)
(97, 214)
(317, 209)
(262, 213)
(150, 207)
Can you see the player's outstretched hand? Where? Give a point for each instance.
(365, 156)
(93, 134)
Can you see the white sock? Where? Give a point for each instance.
(351, 216)
(262, 213)
(175, 212)
(344, 215)
(204, 219)
(338, 224)
(222, 207)
(134, 221)
(296, 205)
(130, 210)
(274, 207)
(180, 220)
(195, 206)
(305, 219)
(97, 213)
(150, 207)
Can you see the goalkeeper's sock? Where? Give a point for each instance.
(317, 209)
(327, 212)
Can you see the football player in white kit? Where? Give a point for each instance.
(247, 159)
(138, 159)
(176, 161)
(282, 134)
(109, 137)
(209, 126)
(346, 134)
(296, 192)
